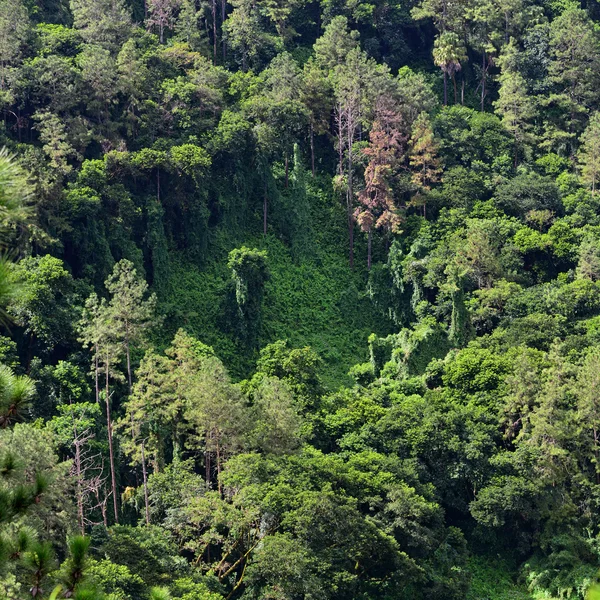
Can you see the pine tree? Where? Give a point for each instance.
(514, 105)
(133, 310)
(427, 166)
(96, 332)
(378, 207)
(589, 153)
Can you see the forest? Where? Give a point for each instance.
(299, 299)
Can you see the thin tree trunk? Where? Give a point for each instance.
(445, 89)
(223, 15)
(113, 478)
(219, 468)
(265, 206)
(128, 364)
(287, 171)
(207, 467)
(455, 92)
(145, 476)
(79, 490)
(462, 91)
(369, 241)
(214, 16)
(96, 368)
(312, 149)
(483, 67)
(349, 202)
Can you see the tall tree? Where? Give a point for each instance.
(378, 206)
(514, 105)
(96, 329)
(103, 22)
(574, 74)
(424, 159)
(449, 53)
(133, 310)
(162, 14)
(589, 153)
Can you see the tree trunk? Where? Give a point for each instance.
(445, 89)
(223, 16)
(265, 206)
(145, 476)
(483, 73)
(349, 202)
(312, 149)
(96, 367)
(79, 490)
(111, 455)
(369, 241)
(207, 467)
(128, 364)
(219, 468)
(455, 92)
(287, 172)
(214, 16)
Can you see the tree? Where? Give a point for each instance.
(354, 89)
(514, 105)
(379, 208)
(161, 14)
(103, 22)
(316, 94)
(16, 392)
(215, 411)
(448, 54)
(573, 71)
(95, 330)
(15, 28)
(245, 33)
(132, 310)
(427, 166)
(589, 152)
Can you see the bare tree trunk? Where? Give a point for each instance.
(312, 149)
(214, 16)
(130, 386)
(445, 89)
(223, 16)
(79, 490)
(207, 467)
(96, 367)
(113, 478)
(455, 92)
(145, 476)
(369, 241)
(349, 202)
(265, 206)
(483, 73)
(219, 468)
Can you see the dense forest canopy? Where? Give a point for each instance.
(299, 299)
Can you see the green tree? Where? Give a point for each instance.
(132, 309)
(449, 53)
(589, 152)
(514, 105)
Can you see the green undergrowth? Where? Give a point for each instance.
(315, 301)
(494, 580)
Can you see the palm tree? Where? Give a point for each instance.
(448, 52)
